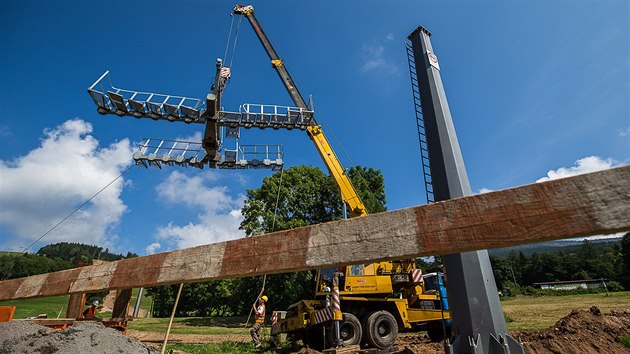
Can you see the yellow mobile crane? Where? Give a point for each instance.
(377, 299)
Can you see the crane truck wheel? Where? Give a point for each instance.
(381, 329)
(349, 329)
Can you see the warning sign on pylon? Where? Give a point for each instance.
(433, 60)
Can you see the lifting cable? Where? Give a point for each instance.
(275, 211)
(227, 43)
(77, 209)
(273, 226)
(238, 29)
(233, 44)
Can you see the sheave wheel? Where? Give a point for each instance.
(349, 329)
(381, 329)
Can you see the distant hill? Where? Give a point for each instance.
(52, 258)
(569, 245)
(75, 252)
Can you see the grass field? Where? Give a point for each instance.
(193, 325)
(531, 313)
(522, 313)
(55, 306)
(224, 348)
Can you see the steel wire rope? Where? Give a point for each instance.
(238, 30)
(275, 211)
(77, 209)
(273, 226)
(227, 43)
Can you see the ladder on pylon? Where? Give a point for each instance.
(422, 137)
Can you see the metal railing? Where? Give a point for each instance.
(113, 100)
(157, 152)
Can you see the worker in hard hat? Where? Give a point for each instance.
(274, 340)
(259, 311)
(90, 312)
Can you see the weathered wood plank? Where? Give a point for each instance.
(76, 303)
(596, 203)
(121, 303)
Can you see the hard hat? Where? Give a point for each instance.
(264, 298)
(95, 303)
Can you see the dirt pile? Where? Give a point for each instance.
(586, 331)
(82, 337)
(418, 343)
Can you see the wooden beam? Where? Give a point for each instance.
(121, 304)
(76, 303)
(591, 204)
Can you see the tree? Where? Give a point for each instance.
(17, 265)
(304, 195)
(74, 252)
(589, 260)
(370, 186)
(625, 254)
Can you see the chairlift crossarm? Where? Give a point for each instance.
(156, 152)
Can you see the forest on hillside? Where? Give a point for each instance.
(53, 257)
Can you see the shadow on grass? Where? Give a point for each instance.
(229, 347)
(227, 322)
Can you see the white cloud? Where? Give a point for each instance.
(152, 248)
(604, 237)
(375, 58)
(581, 166)
(485, 190)
(585, 165)
(41, 188)
(219, 216)
(624, 132)
(195, 137)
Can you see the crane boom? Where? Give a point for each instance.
(348, 193)
(390, 293)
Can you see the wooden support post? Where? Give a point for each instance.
(170, 321)
(121, 305)
(76, 303)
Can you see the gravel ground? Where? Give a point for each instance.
(83, 337)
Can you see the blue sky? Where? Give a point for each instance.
(537, 89)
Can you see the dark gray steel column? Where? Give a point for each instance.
(478, 324)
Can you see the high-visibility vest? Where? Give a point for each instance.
(90, 312)
(260, 318)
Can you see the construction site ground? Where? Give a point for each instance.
(593, 323)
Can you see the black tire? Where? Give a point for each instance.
(437, 332)
(381, 329)
(349, 328)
